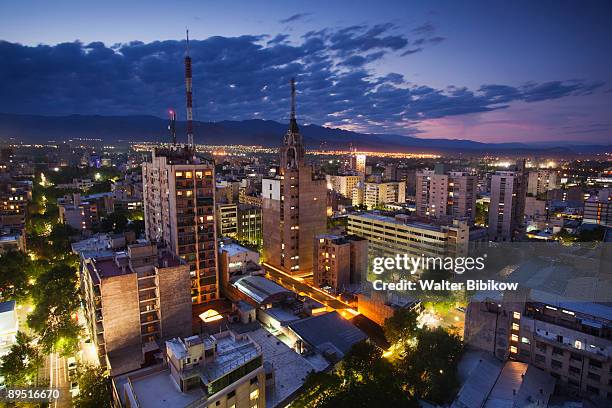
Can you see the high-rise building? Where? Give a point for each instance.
(379, 194)
(227, 220)
(445, 194)
(294, 206)
(540, 181)
(134, 300)
(249, 224)
(339, 260)
(179, 209)
(343, 184)
(358, 163)
(507, 206)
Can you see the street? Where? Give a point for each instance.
(299, 286)
(58, 378)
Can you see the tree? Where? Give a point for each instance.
(56, 299)
(14, 268)
(429, 369)
(94, 387)
(401, 327)
(364, 379)
(20, 366)
(115, 222)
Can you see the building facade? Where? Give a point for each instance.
(339, 261)
(179, 210)
(451, 194)
(540, 181)
(133, 301)
(507, 206)
(379, 194)
(294, 206)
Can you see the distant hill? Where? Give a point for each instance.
(113, 129)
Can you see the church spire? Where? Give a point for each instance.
(293, 126)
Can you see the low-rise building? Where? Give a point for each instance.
(9, 325)
(222, 370)
(133, 300)
(389, 236)
(339, 261)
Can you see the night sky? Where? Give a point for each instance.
(483, 70)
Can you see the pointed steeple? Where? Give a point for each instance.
(292, 151)
(293, 126)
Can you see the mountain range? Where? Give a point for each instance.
(123, 129)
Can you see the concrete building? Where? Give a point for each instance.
(379, 194)
(567, 338)
(358, 163)
(79, 214)
(339, 261)
(294, 207)
(227, 220)
(344, 184)
(507, 206)
(378, 306)
(449, 195)
(388, 236)
(223, 370)
(13, 205)
(179, 210)
(134, 300)
(235, 258)
(598, 209)
(540, 181)
(12, 240)
(250, 224)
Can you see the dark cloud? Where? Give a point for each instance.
(247, 76)
(294, 17)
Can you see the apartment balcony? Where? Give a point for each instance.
(588, 350)
(147, 295)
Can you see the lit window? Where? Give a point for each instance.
(514, 337)
(179, 174)
(525, 340)
(578, 344)
(515, 326)
(209, 218)
(513, 350)
(188, 174)
(517, 315)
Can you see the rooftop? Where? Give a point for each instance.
(328, 332)
(259, 288)
(391, 220)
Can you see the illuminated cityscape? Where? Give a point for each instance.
(297, 211)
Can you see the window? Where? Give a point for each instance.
(525, 340)
(516, 315)
(556, 363)
(513, 349)
(594, 364)
(593, 376)
(231, 394)
(558, 351)
(592, 389)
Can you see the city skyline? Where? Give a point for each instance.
(468, 71)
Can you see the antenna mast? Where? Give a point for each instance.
(188, 90)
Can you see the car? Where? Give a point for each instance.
(71, 363)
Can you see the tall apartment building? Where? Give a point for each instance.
(344, 184)
(250, 224)
(567, 338)
(445, 194)
(389, 236)
(294, 206)
(222, 370)
(339, 260)
(507, 205)
(134, 300)
(358, 163)
(379, 194)
(540, 181)
(227, 220)
(394, 172)
(179, 209)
